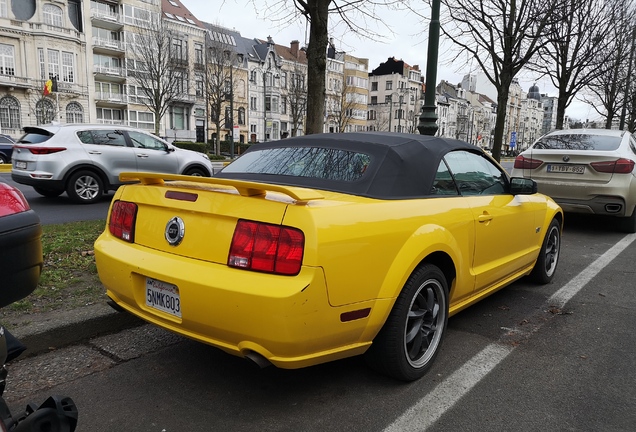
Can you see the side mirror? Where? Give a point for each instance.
(523, 186)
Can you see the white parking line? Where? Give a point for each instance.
(445, 395)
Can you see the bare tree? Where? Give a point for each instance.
(297, 98)
(158, 62)
(607, 89)
(576, 51)
(222, 62)
(501, 36)
(360, 17)
(341, 112)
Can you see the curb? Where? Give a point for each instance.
(5, 168)
(52, 330)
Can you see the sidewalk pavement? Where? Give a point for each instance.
(51, 330)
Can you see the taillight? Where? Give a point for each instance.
(122, 220)
(267, 248)
(522, 162)
(41, 150)
(619, 166)
(11, 200)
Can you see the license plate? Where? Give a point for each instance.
(163, 296)
(20, 165)
(573, 169)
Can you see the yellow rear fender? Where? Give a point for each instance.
(429, 241)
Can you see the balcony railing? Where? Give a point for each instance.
(184, 97)
(13, 80)
(109, 43)
(105, 16)
(111, 97)
(109, 70)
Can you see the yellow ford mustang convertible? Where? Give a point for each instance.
(320, 247)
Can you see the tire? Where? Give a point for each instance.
(85, 187)
(628, 224)
(49, 193)
(3, 160)
(410, 339)
(545, 267)
(196, 172)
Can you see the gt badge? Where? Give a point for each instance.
(175, 230)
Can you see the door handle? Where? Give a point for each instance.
(484, 218)
(142, 155)
(95, 152)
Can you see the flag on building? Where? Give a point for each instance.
(50, 86)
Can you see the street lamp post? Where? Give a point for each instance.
(234, 61)
(428, 118)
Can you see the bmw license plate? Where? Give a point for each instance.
(560, 168)
(20, 165)
(163, 296)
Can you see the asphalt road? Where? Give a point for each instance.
(517, 361)
(61, 209)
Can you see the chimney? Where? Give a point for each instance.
(294, 48)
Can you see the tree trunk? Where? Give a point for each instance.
(500, 122)
(561, 106)
(317, 65)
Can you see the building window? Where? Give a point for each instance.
(198, 53)
(68, 67)
(141, 120)
(7, 60)
(253, 102)
(179, 50)
(179, 118)
(241, 116)
(44, 111)
(52, 15)
(3, 9)
(389, 85)
(109, 116)
(374, 86)
(198, 84)
(9, 113)
(283, 105)
(74, 113)
(374, 100)
(253, 76)
(54, 63)
(283, 79)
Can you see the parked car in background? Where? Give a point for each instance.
(585, 171)
(315, 248)
(6, 148)
(85, 160)
(20, 246)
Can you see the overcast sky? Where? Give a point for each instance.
(408, 40)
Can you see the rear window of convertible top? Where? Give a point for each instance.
(313, 162)
(578, 142)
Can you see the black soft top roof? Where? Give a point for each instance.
(402, 165)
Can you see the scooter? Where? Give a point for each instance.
(55, 414)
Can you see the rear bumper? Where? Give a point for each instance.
(614, 198)
(287, 320)
(38, 182)
(20, 256)
(600, 205)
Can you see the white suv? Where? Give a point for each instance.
(86, 160)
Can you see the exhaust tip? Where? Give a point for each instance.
(613, 208)
(115, 306)
(257, 359)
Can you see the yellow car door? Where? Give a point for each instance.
(504, 223)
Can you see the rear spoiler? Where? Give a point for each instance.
(244, 188)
